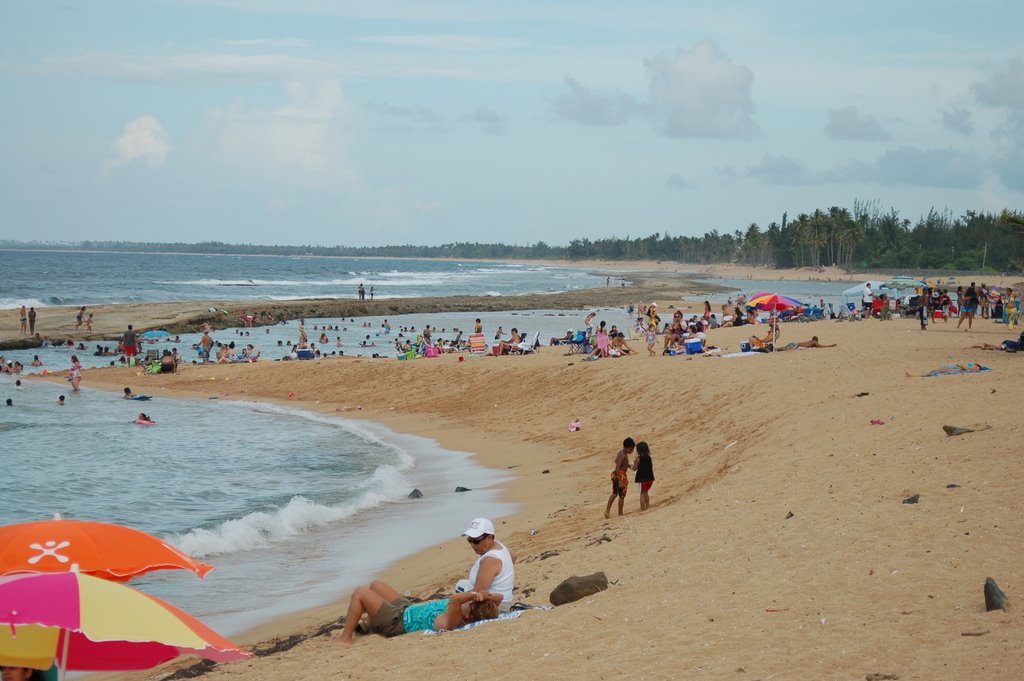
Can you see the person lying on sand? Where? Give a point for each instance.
(961, 368)
(813, 343)
(392, 614)
(1008, 345)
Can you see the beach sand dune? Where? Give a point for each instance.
(777, 546)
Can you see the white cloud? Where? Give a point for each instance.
(489, 120)
(779, 169)
(677, 181)
(409, 118)
(693, 93)
(300, 144)
(143, 138)
(957, 119)
(943, 168)
(1010, 163)
(459, 43)
(700, 93)
(184, 68)
(580, 105)
(846, 124)
(1004, 87)
(269, 42)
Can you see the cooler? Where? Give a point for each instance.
(693, 346)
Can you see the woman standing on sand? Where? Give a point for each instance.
(75, 374)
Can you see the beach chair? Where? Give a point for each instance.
(527, 346)
(580, 344)
(477, 344)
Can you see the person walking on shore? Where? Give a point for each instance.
(206, 343)
(128, 342)
(620, 476)
(80, 317)
(32, 320)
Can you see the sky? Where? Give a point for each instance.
(374, 123)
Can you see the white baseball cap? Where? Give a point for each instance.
(479, 527)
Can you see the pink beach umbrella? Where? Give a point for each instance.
(85, 623)
(774, 302)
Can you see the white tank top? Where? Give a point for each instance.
(505, 580)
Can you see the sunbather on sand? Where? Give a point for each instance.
(766, 342)
(564, 339)
(1007, 345)
(813, 343)
(503, 347)
(960, 368)
(391, 614)
(619, 346)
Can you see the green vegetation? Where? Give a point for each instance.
(863, 237)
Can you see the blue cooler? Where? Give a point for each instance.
(692, 346)
(744, 346)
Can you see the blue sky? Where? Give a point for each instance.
(369, 123)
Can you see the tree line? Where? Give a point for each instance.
(862, 237)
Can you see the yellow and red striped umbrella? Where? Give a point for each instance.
(88, 624)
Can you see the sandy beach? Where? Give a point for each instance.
(777, 545)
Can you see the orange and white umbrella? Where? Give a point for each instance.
(106, 550)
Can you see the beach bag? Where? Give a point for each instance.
(431, 351)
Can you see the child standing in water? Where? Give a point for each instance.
(644, 468)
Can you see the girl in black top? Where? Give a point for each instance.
(644, 468)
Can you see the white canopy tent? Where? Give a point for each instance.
(856, 293)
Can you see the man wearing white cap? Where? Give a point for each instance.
(494, 570)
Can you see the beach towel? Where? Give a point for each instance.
(743, 354)
(500, 618)
(950, 369)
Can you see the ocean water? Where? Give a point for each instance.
(294, 508)
(48, 278)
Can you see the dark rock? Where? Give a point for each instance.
(957, 430)
(877, 676)
(575, 588)
(789, 515)
(545, 471)
(912, 500)
(995, 599)
(415, 494)
(463, 489)
(952, 485)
